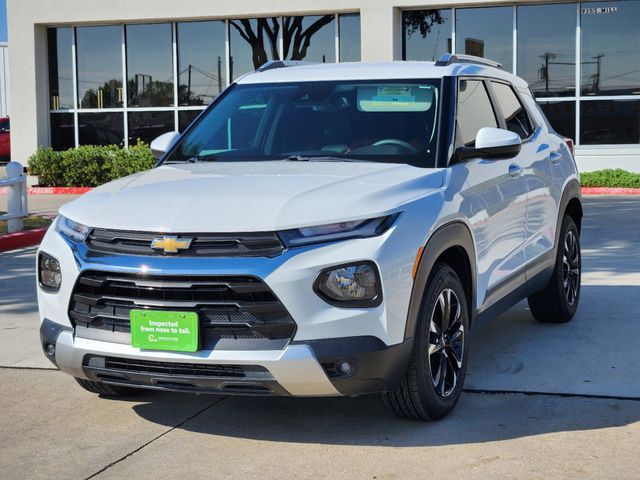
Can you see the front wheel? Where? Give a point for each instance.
(433, 382)
(558, 301)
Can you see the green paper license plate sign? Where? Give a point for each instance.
(159, 330)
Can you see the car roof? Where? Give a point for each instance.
(376, 71)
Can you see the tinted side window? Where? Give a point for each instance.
(474, 111)
(515, 116)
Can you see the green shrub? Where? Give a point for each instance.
(88, 165)
(610, 178)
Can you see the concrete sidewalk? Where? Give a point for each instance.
(52, 428)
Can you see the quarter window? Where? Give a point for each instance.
(474, 111)
(514, 114)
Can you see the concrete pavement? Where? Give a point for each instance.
(51, 428)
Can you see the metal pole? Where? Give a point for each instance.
(14, 197)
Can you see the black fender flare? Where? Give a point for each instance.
(571, 191)
(455, 234)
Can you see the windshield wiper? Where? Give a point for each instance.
(302, 158)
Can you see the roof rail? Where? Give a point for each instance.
(449, 58)
(271, 64)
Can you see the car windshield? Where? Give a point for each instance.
(379, 121)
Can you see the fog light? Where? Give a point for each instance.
(50, 349)
(49, 273)
(344, 368)
(356, 285)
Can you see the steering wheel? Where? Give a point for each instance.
(397, 142)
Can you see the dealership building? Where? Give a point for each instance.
(112, 72)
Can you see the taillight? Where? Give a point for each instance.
(570, 144)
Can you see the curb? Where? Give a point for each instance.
(13, 241)
(610, 191)
(53, 190)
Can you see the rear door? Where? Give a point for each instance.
(537, 172)
(495, 198)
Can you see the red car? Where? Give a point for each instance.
(5, 142)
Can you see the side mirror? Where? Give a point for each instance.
(492, 143)
(163, 143)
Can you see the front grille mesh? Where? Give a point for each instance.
(256, 244)
(165, 368)
(233, 310)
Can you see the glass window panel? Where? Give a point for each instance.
(201, 61)
(185, 117)
(546, 48)
(59, 43)
(561, 116)
(515, 116)
(427, 33)
(147, 126)
(610, 56)
(474, 111)
(62, 134)
(101, 128)
(254, 41)
(309, 38)
(150, 65)
(350, 38)
(99, 57)
(610, 122)
(486, 32)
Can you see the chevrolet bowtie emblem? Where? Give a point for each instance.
(171, 244)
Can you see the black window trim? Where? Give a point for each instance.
(491, 102)
(494, 98)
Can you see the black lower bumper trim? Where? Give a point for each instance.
(49, 333)
(255, 381)
(376, 367)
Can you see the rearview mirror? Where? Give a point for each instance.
(492, 143)
(163, 143)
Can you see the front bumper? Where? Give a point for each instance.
(300, 369)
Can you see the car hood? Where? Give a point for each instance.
(250, 196)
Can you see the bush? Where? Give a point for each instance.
(610, 178)
(88, 165)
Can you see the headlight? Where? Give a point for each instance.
(354, 285)
(338, 231)
(71, 229)
(49, 274)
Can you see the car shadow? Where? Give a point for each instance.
(557, 359)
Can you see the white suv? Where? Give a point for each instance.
(320, 230)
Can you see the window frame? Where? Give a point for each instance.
(483, 80)
(503, 124)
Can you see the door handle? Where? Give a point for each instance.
(515, 170)
(555, 157)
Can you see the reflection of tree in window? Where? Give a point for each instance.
(297, 38)
(423, 21)
(263, 39)
(108, 95)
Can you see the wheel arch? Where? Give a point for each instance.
(570, 204)
(452, 244)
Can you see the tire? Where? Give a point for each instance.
(558, 301)
(426, 394)
(106, 390)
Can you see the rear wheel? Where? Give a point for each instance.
(106, 390)
(558, 301)
(433, 381)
